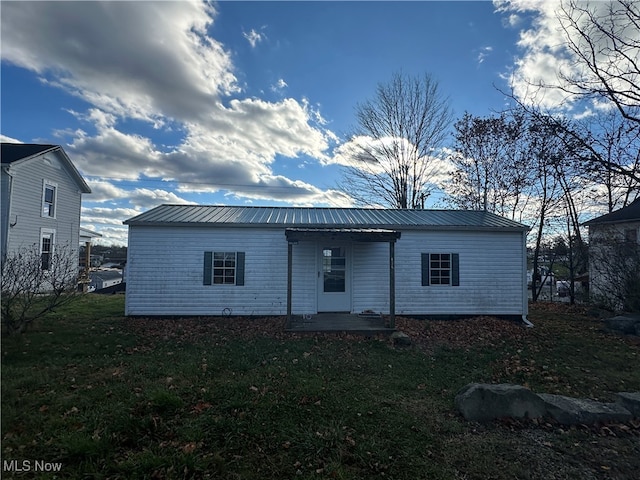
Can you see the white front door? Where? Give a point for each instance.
(334, 278)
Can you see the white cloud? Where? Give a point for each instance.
(4, 138)
(112, 235)
(146, 198)
(134, 59)
(114, 154)
(155, 63)
(545, 59)
(484, 53)
(353, 154)
(103, 191)
(109, 216)
(279, 85)
(253, 37)
(512, 20)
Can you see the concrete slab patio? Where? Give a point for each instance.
(339, 322)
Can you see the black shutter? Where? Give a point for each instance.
(208, 263)
(455, 269)
(425, 269)
(239, 268)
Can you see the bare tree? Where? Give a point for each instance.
(491, 162)
(34, 284)
(604, 41)
(395, 144)
(547, 152)
(608, 147)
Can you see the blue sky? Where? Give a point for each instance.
(237, 102)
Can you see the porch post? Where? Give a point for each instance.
(87, 266)
(392, 284)
(289, 281)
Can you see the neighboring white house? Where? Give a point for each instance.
(215, 260)
(41, 197)
(614, 256)
(101, 279)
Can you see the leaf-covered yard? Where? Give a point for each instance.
(111, 397)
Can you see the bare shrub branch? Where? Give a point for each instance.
(29, 291)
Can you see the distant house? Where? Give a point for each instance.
(41, 198)
(614, 256)
(215, 260)
(102, 279)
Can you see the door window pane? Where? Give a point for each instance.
(334, 269)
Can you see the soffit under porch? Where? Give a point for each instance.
(342, 234)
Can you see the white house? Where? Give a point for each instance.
(220, 260)
(41, 198)
(101, 279)
(614, 257)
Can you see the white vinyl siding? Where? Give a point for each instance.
(490, 269)
(26, 205)
(172, 284)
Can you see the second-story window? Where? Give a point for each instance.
(49, 200)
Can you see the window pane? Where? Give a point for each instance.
(337, 263)
(334, 282)
(46, 259)
(440, 268)
(224, 268)
(48, 207)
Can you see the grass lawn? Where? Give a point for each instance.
(98, 396)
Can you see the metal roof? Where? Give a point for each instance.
(288, 217)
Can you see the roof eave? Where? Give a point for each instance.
(84, 188)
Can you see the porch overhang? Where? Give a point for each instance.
(350, 234)
(295, 235)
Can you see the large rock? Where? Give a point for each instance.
(627, 324)
(630, 401)
(481, 402)
(400, 339)
(573, 411)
